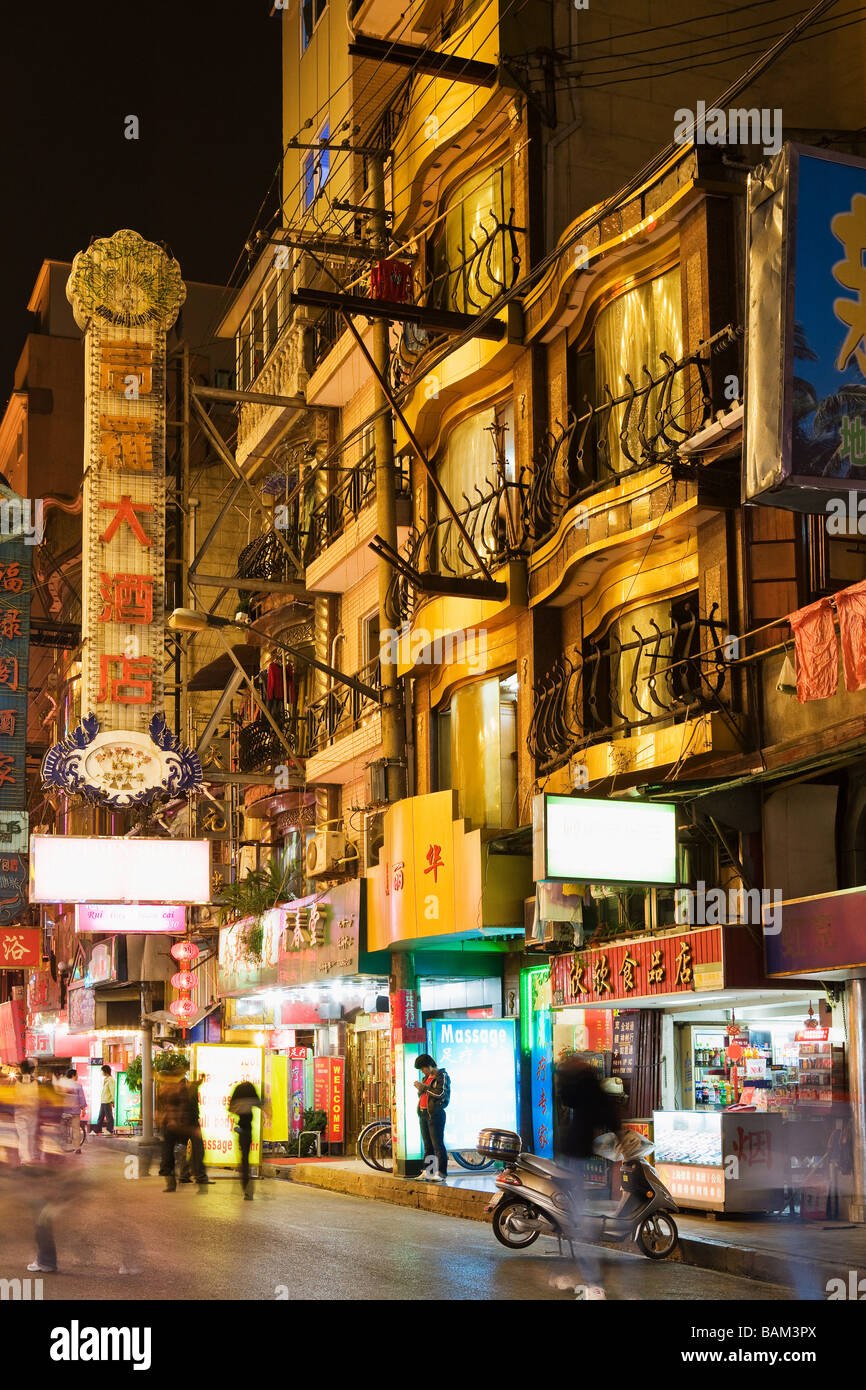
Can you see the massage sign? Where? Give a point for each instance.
(125, 293)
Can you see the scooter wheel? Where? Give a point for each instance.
(502, 1218)
(658, 1236)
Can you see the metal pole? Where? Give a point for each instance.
(146, 1064)
(386, 500)
(857, 1077)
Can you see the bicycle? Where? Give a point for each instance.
(68, 1142)
(375, 1148)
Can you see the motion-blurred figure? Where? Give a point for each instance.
(27, 1114)
(73, 1093)
(244, 1100)
(193, 1156)
(594, 1111)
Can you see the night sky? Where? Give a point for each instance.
(203, 76)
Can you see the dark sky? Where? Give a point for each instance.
(203, 76)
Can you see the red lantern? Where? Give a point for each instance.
(184, 950)
(183, 1009)
(183, 979)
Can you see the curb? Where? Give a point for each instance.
(807, 1278)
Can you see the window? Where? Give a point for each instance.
(317, 166)
(630, 334)
(470, 261)
(476, 751)
(370, 638)
(311, 13)
(469, 462)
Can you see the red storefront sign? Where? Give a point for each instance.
(20, 948)
(328, 1087)
(676, 964)
(12, 1032)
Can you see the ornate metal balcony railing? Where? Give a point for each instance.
(338, 712)
(574, 460)
(669, 678)
(355, 490)
(497, 522)
(266, 558)
(259, 749)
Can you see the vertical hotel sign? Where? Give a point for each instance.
(15, 589)
(125, 293)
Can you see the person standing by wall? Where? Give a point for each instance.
(106, 1104)
(434, 1093)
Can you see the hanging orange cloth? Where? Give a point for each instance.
(851, 607)
(817, 654)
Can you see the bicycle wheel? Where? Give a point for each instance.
(381, 1151)
(67, 1139)
(471, 1158)
(367, 1136)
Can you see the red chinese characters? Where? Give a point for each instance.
(126, 598)
(136, 674)
(435, 862)
(125, 511)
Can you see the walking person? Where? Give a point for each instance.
(434, 1093)
(106, 1104)
(174, 1108)
(244, 1100)
(193, 1157)
(594, 1111)
(27, 1114)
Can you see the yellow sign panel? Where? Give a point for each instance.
(275, 1127)
(222, 1066)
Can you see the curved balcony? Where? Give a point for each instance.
(338, 713)
(266, 558)
(259, 749)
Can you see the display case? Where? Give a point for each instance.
(731, 1161)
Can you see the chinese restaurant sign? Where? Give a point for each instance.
(15, 587)
(806, 351)
(125, 294)
(677, 964)
(20, 948)
(314, 938)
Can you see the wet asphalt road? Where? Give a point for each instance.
(298, 1242)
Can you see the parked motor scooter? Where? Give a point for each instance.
(533, 1196)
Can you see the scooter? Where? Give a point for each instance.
(534, 1196)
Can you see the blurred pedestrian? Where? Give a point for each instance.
(74, 1103)
(106, 1104)
(244, 1100)
(27, 1113)
(594, 1111)
(193, 1156)
(434, 1093)
(174, 1107)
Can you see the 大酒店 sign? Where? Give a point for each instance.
(125, 294)
(805, 428)
(15, 588)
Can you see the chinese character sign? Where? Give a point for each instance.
(683, 962)
(15, 586)
(541, 1070)
(125, 293)
(20, 948)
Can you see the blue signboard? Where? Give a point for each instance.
(541, 1063)
(15, 584)
(480, 1057)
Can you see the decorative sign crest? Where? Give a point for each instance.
(125, 294)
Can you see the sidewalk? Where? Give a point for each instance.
(799, 1255)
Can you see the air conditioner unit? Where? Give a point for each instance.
(552, 936)
(324, 851)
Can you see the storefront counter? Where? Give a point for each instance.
(727, 1161)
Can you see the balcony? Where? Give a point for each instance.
(631, 706)
(259, 749)
(343, 727)
(341, 525)
(266, 558)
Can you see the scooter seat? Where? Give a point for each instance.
(545, 1167)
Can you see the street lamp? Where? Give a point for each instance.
(193, 620)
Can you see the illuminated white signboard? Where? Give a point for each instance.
(585, 840)
(126, 917)
(88, 869)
